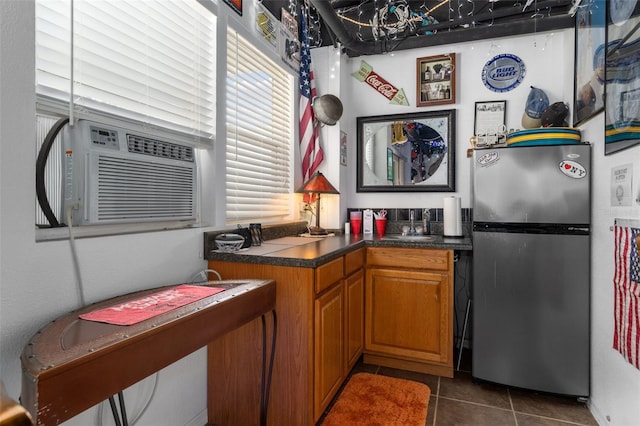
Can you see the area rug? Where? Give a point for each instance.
(375, 400)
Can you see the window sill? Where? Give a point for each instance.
(62, 233)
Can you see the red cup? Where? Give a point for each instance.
(356, 224)
(381, 226)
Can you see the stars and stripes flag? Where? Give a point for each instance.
(310, 150)
(626, 283)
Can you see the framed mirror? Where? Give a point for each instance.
(407, 152)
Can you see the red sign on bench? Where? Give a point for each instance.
(141, 309)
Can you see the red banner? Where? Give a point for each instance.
(134, 311)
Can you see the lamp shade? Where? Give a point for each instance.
(318, 184)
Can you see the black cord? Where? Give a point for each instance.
(123, 411)
(265, 385)
(41, 163)
(114, 410)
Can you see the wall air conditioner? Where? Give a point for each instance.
(115, 175)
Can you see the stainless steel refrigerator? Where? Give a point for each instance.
(531, 263)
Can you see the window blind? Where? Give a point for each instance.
(259, 121)
(150, 62)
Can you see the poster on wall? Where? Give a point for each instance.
(267, 25)
(621, 180)
(343, 148)
(622, 76)
(235, 5)
(288, 43)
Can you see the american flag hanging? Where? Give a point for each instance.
(626, 283)
(310, 149)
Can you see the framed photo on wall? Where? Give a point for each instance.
(436, 80)
(235, 5)
(622, 76)
(590, 45)
(490, 117)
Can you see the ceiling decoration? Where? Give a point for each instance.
(369, 27)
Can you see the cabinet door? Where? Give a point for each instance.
(329, 346)
(354, 315)
(407, 314)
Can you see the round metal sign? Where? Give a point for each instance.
(503, 72)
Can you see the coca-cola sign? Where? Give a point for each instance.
(366, 75)
(381, 85)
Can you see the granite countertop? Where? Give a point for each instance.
(310, 252)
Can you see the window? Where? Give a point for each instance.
(260, 125)
(144, 65)
(150, 62)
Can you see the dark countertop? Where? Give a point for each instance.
(310, 252)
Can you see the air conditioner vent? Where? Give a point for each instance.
(129, 189)
(143, 145)
(116, 175)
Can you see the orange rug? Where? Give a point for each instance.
(374, 400)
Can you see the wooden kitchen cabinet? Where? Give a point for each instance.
(339, 333)
(354, 325)
(409, 309)
(320, 334)
(329, 346)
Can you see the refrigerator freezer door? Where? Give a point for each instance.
(547, 184)
(531, 311)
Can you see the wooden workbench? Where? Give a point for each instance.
(73, 364)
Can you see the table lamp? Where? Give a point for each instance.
(318, 184)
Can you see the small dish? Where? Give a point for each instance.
(229, 243)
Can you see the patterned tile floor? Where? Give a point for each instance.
(461, 401)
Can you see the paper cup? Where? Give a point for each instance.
(381, 226)
(356, 225)
(356, 222)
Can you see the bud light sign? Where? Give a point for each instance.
(503, 72)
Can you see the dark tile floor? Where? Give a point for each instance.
(462, 401)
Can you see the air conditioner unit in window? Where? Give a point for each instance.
(114, 175)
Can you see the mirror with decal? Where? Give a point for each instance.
(406, 152)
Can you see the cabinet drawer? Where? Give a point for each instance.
(414, 258)
(354, 261)
(329, 273)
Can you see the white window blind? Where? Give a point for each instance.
(150, 62)
(260, 129)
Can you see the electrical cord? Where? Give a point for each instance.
(140, 414)
(123, 411)
(203, 276)
(41, 163)
(74, 256)
(468, 307)
(148, 403)
(462, 272)
(265, 384)
(114, 410)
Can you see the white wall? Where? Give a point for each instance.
(37, 283)
(615, 384)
